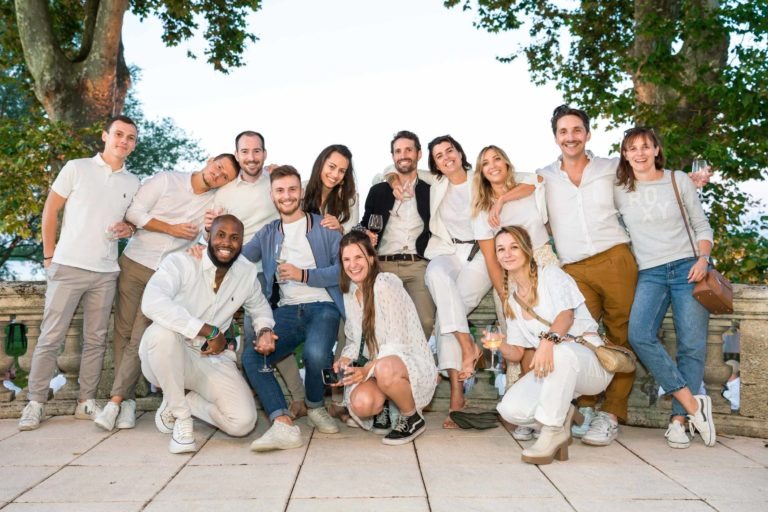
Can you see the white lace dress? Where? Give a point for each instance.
(398, 333)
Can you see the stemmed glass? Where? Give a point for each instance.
(406, 195)
(376, 223)
(700, 172)
(493, 338)
(279, 259)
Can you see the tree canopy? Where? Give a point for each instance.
(695, 70)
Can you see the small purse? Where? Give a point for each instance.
(714, 292)
(361, 359)
(613, 358)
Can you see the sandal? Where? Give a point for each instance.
(465, 373)
(448, 422)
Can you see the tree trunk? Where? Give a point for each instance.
(93, 86)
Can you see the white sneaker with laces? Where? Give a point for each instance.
(702, 421)
(280, 436)
(602, 431)
(106, 417)
(579, 430)
(31, 416)
(86, 410)
(523, 433)
(164, 418)
(183, 436)
(322, 421)
(127, 416)
(676, 435)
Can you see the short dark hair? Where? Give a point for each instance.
(625, 176)
(404, 134)
(453, 142)
(567, 110)
(282, 171)
(227, 217)
(122, 118)
(230, 157)
(249, 133)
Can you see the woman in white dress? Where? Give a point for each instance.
(561, 368)
(383, 326)
(456, 275)
(331, 190)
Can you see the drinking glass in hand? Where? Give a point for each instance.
(279, 259)
(493, 339)
(376, 223)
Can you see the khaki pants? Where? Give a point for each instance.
(411, 273)
(68, 287)
(607, 280)
(130, 324)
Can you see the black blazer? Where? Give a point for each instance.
(381, 200)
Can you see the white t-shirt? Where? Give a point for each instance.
(455, 211)
(96, 197)
(296, 251)
(523, 212)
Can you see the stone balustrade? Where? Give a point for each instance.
(23, 302)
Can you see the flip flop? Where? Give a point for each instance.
(476, 420)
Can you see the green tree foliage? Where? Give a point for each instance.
(696, 70)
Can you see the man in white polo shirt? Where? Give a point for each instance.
(593, 248)
(168, 212)
(82, 267)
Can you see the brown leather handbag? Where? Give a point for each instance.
(714, 292)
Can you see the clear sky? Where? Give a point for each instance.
(356, 72)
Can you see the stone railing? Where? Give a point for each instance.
(24, 303)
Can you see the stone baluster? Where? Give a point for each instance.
(6, 361)
(716, 372)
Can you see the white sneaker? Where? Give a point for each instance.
(183, 436)
(676, 435)
(280, 436)
(702, 421)
(127, 416)
(322, 421)
(106, 417)
(31, 416)
(86, 410)
(602, 431)
(164, 418)
(579, 430)
(523, 433)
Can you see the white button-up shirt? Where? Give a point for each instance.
(166, 196)
(399, 237)
(584, 219)
(96, 197)
(180, 296)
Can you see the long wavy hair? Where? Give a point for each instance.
(523, 240)
(340, 197)
(625, 176)
(483, 197)
(361, 240)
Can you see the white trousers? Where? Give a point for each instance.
(546, 400)
(218, 393)
(457, 286)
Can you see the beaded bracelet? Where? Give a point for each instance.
(551, 336)
(213, 334)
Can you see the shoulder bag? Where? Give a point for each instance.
(613, 358)
(714, 292)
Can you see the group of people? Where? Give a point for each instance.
(430, 245)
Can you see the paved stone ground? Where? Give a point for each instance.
(69, 465)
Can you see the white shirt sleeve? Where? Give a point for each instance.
(148, 194)
(562, 291)
(158, 304)
(481, 228)
(258, 308)
(65, 181)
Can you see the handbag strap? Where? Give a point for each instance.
(682, 213)
(528, 309)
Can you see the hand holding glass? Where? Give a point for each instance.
(492, 339)
(376, 223)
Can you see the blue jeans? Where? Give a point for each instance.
(314, 324)
(657, 287)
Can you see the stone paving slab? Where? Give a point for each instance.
(69, 465)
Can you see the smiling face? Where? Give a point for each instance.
(218, 172)
(250, 155)
(447, 158)
(495, 169)
(356, 263)
(405, 155)
(641, 154)
(510, 253)
(286, 194)
(226, 242)
(334, 169)
(119, 141)
(572, 136)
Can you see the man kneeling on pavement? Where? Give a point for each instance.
(191, 303)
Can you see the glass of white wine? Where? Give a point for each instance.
(493, 339)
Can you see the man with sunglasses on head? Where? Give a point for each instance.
(168, 212)
(593, 248)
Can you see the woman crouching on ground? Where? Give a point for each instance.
(543, 306)
(382, 326)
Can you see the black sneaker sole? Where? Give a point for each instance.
(405, 440)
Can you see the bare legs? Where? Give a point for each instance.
(390, 381)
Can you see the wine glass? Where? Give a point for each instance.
(266, 368)
(279, 259)
(376, 223)
(700, 172)
(493, 338)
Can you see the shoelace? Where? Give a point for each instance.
(383, 417)
(185, 428)
(30, 412)
(401, 425)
